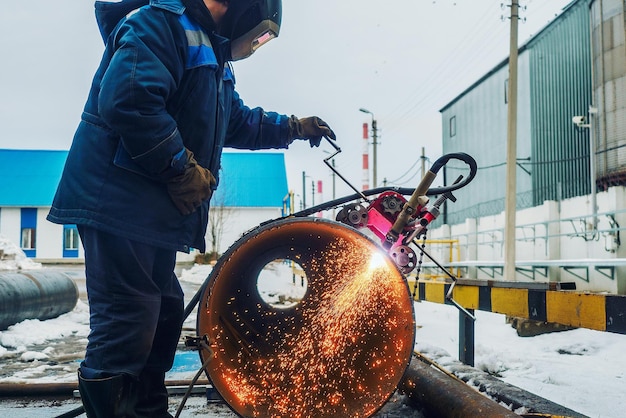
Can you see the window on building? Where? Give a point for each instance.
(28, 238)
(70, 241)
(452, 126)
(70, 238)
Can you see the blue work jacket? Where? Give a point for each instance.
(163, 84)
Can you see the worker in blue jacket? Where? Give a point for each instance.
(141, 170)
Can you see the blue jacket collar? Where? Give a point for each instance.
(108, 14)
(174, 6)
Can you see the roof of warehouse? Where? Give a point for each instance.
(28, 178)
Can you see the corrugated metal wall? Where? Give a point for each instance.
(560, 83)
(553, 155)
(480, 117)
(609, 87)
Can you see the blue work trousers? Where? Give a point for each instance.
(136, 306)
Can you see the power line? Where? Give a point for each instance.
(430, 90)
(445, 68)
(523, 162)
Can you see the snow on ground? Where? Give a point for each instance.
(580, 369)
(13, 258)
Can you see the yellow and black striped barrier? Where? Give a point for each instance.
(544, 302)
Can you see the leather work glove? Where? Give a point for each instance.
(190, 188)
(311, 129)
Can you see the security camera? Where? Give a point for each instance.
(579, 121)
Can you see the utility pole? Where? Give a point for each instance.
(374, 153)
(423, 162)
(593, 113)
(579, 121)
(510, 206)
(303, 190)
(374, 145)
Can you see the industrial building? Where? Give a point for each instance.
(554, 84)
(571, 106)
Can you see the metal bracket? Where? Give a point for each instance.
(454, 281)
(196, 343)
(457, 304)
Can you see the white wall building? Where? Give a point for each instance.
(252, 188)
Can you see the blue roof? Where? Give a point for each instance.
(252, 179)
(29, 178)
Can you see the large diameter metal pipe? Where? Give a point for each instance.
(338, 352)
(444, 396)
(35, 295)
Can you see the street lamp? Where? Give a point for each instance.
(375, 138)
(303, 201)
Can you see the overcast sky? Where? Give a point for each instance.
(401, 59)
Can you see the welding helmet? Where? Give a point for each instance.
(249, 24)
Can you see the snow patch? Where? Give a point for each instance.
(13, 258)
(32, 356)
(35, 332)
(196, 274)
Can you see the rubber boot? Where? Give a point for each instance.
(152, 395)
(110, 397)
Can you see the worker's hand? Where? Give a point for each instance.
(189, 189)
(311, 129)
